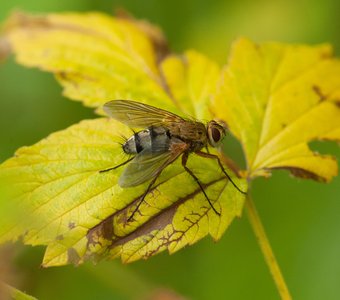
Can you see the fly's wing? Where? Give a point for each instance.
(147, 165)
(135, 114)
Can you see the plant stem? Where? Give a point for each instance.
(266, 249)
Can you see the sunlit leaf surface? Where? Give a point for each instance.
(67, 204)
(57, 195)
(277, 98)
(98, 58)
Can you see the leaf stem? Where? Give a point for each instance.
(266, 249)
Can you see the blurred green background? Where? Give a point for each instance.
(302, 218)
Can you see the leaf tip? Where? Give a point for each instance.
(19, 19)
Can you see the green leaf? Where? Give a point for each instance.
(276, 99)
(9, 291)
(81, 213)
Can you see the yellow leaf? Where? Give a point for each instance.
(277, 98)
(60, 198)
(95, 57)
(192, 80)
(66, 203)
(98, 58)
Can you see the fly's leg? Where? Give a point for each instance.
(116, 167)
(184, 164)
(208, 155)
(143, 196)
(145, 193)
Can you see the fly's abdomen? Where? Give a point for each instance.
(153, 139)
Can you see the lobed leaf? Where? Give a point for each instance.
(98, 58)
(95, 57)
(80, 213)
(276, 99)
(60, 198)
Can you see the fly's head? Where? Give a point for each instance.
(216, 132)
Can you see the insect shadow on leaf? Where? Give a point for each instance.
(166, 137)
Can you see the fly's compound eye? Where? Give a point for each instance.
(216, 133)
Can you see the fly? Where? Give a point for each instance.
(166, 137)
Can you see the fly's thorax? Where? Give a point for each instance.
(189, 131)
(153, 139)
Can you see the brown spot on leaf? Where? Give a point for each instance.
(24, 21)
(71, 225)
(59, 237)
(325, 139)
(68, 76)
(337, 103)
(20, 19)
(160, 221)
(157, 223)
(326, 54)
(104, 229)
(62, 75)
(302, 173)
(73, 256)
(318, 91)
